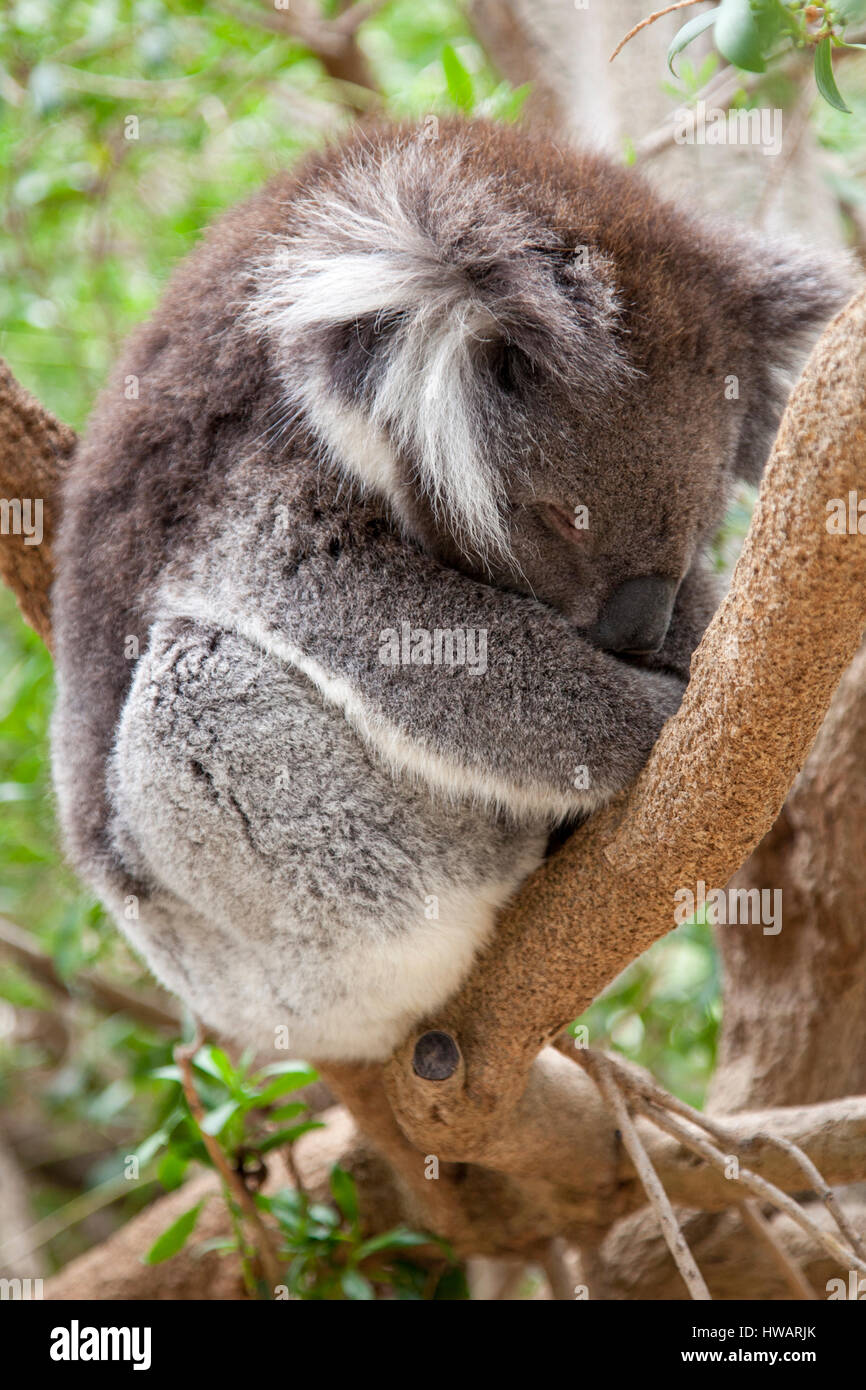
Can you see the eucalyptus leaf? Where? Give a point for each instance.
(302, 1074)
(169, 1073)
(355, 1286)
(458, 78)
(825, 77)
(150, 1146)
(689, 32)
(216, 1120)
(345, 1192)
(213, 1062)
(171, 1170)
(175, 1238)
(287, 1112)
(287, 1136)
(400, 1238)
(737, 36)
(280, 1086)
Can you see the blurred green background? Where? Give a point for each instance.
(125, 126)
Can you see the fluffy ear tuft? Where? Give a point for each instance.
(412, 291)
(790, 297)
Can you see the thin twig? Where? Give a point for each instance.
(818, 1184)
(596, 1064)
(722, 87)
(292, 1165)
(650, 19)
(641, 1086)
(183, 1055)
(767, 1191)
(21, 946)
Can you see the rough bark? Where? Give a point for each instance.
(34, 449)
(795, 1004)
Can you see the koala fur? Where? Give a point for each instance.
(367, 409)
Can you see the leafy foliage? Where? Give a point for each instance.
(751, 33)
(321, 1245)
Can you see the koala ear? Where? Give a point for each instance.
(790, 297)
(355, 350)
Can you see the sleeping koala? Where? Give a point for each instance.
(382, 559)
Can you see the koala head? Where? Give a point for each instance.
(553, 376)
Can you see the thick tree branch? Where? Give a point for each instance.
(760, 685)
(833, 1134)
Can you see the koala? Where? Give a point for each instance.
(383, 560)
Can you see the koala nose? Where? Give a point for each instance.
(635, 617)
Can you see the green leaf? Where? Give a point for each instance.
(825, 78)
(355, 1286)
(170, 1073)
(688, 32)
(175, 1238)
(287, 1136)
(452, 1286)
(171, 1170)
(399, 1239)
(151, 1145)
(737, 36)
(325, 1215)
(302, 1074)
(216, 1120)
(345, 1192)
(460, 86)
(280, 1086)
(297, 1107)
(214, 1062)
(218, 1243)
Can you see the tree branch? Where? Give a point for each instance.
(34, 452)
(760, 684)
(111, 998)
(333, 42)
